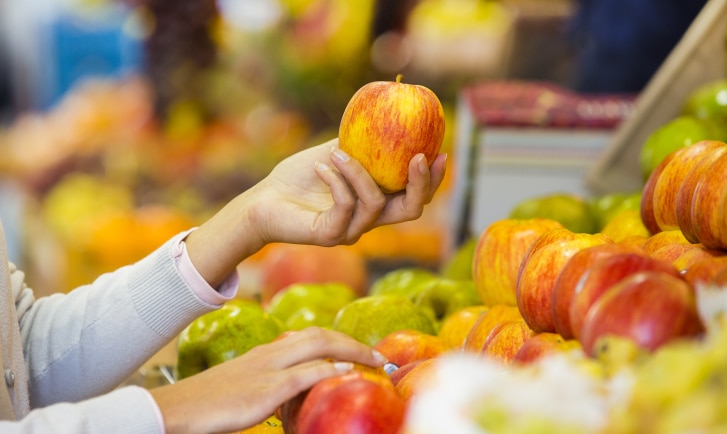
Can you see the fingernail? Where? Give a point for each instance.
(422, 164)
(343, 366)
(338, 154)
(322, 166)
(379, 357)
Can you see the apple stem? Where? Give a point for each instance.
(399, 77)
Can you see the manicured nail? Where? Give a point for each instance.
(422, 163)
(338, 154)
(379, 357)
(343, 366)
(322, 166)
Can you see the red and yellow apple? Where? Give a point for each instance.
(685, 193)
(664, 238)
(708, 213)
(671, 178)
(540, 270)
(651, 308)
(484, 325)
(541, 345)
(350, 403)
(505, 340)
(415, 378)
(648, 218)
(405, 346)
(387, 123)
(565, 285)
(499, 252)
(455, 327)
(604, 274)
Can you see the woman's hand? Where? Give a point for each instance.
(317, 196)
(244, 391)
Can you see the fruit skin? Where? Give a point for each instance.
(484, 325)
(685, 194)
(221, 335)
(540, 270)
(650, 307)
(440, 297)
(708, 102)
(626, 226)
(570, 210)
(386, 123)
(286, 264)
(604, 274)
(708, 215)
(648, 218)
(405, 281)
(302, 305)
(681, 132)
(369, 319)
(565, 286)
(330, 407)
(455, 327)
(505, 340)
(671, 178)
(499, 252)
(415, 377)
(406, 346)
(699, 266)
(541, 345)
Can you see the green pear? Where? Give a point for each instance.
(459, 265)
(223, 334)
(402, 281)
(708, 101)
(443, 296)
(368, 319)
(571, 210)
(302, 305)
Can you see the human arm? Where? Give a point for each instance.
(317, 196)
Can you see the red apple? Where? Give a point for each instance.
(455, 327)
(541, 345)
(685, 194)
(485, 323)
(604, 274)
(705, 270)
(505, 340)
(401, 372)
(415, 378)
(708, 215)
(387, 123)
(573, 271)
(405, 346)
(499, 251)
(664, 238)
(286, 264)
(671, 178)
(651, 308)
(350, 403)
(647, 196)
(540, 270)
(671, 252)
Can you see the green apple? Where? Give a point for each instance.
(302, 305)
(442, 296)
(605, 207)
(459, 265)
(368, 319)
(571, 210)
(223, 334)
(682, 131)
(401, 281)
(708, 101)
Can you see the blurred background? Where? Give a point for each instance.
(124, 122)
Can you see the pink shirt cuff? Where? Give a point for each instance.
(216, 297)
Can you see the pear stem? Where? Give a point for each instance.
(399, 77)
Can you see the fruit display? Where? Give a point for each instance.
(594, 336)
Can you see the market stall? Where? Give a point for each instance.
(568, 276)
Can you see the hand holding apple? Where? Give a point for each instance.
(386, 124)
